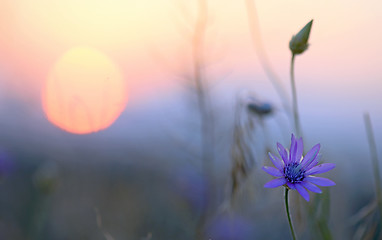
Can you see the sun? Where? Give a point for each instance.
(84, 91)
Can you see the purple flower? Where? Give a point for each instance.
(230, 228)
(6, 164)
(192, 186)
(295, 171)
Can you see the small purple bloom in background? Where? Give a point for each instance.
(6, 164)
(230, 228)
(295, 171)
(191, 185)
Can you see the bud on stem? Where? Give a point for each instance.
(299, 42)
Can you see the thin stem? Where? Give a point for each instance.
(294, 99)
(288, 213)
(201, 89)
(206, 130)
(374, 159)
(254, 26)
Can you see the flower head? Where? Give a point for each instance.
(260, 109)
(299, 42)
(296, 171)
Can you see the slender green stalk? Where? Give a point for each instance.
(294, 96)
(374, 159)
(288, 213)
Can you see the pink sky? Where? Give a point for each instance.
(342, 62)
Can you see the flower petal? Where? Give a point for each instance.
(276, 161)
(275, 183)
(290, 185)
(302, 191)
(300, 149)
(325, 167)
(293, 148)
(314, 162)
(311, 187)
(283, 153)
(320, 181)
(310, 156)
(273, 171)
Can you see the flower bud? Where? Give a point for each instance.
(299, 42)
(260, 109)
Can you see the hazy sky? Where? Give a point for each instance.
(338, 77)
(345, 40)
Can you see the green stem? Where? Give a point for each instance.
(294, 96)
(374, 158)
(288, 213)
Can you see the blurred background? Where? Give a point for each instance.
(151, 119)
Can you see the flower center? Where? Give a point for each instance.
(293, 173)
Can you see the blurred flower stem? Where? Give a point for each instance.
(254, 27)
(206, 120)
(288, 213)
(374, 159)
(294, 98)
(201, 88)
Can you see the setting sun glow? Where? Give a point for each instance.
(84, 91)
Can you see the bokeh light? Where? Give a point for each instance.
(84, 92)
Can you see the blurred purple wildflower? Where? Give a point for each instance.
(295, 171)
(192, 186)
(230, 228)
(6, 164)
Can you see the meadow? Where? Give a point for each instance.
(205, 119)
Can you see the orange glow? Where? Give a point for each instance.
(84, 91)
(150, 40)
